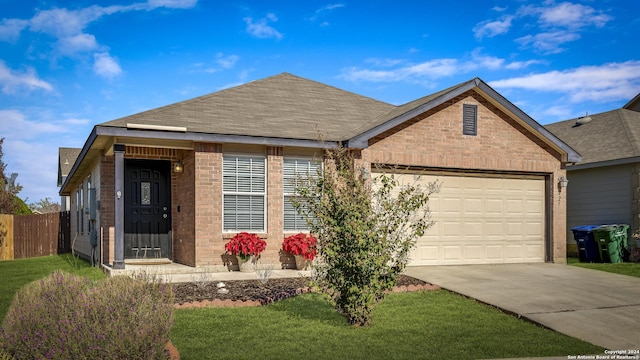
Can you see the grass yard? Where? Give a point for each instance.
(16, 273)
(436, 325)
(628, 268)
(419, 325)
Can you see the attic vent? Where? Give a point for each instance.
(469, 119)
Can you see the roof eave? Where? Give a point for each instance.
(572, 156)
(361, 141)
(87, 146)
(569, 155)
(604, 163)
(213, 138)
(115, 132)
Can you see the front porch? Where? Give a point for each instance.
(171, 272)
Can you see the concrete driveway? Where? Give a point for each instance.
(595, 306)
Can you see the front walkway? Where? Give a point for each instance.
(599, 307)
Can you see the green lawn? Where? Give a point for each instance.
(16, 273)
(419, 325)
(628, 268)
(436, 324)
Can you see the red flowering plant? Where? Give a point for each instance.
(301, 244)
(245, 245)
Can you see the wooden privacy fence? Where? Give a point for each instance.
(25, 236)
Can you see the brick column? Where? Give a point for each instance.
(275, 204)
(118, 261)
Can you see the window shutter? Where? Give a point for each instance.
(470, 119)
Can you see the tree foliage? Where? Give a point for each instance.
(10, 203)
(365, 229)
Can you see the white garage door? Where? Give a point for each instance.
(483, 220)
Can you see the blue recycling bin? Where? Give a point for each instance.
(587, 246)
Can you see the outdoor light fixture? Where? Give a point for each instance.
(178, 167)
(563, 182)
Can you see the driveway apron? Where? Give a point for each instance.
(599, 307)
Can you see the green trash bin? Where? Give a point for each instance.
(624, 241)
(610, 240)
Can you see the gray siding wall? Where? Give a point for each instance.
(599, 196)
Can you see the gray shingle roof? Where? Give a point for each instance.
(610, 135)
(66, 158)
(281, 106)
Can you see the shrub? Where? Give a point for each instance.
(300, 244)
(245, 245)
(65, 316)
(365, 231)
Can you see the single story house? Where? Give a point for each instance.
(178, 181)
(604, 187)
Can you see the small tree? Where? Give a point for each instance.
(9, 189)
(365, 231)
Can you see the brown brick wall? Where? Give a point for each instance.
(434, 140)
(107, 178)
(183, 212)
(209, 245)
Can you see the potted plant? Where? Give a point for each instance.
(302, 247)
(247, 248)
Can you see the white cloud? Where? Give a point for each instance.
(16, 125)
(432, 69)
(10, 29)
(384, 62)
(172, 4)
(226, 62)
(77, 43)
(105, 65)
(490, 28)
(12, 80)
(557, 24)
(608, 82)
(567, 15)
(517, 65)
(324, 10)
(261, 28)
(67, 27)
(548, 42)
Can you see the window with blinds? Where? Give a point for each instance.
(294, 171)
(469, 119)
(244, 192)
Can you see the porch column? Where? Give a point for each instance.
(118, 261)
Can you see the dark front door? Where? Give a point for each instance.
(147, 229)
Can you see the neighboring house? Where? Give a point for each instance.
(66, 158)
(604, 187)
(178, 181)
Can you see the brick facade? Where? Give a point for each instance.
(432, 140)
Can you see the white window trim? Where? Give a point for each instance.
(264, 194)
(285, 194)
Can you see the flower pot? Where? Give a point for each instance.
(247, 264)
(301, 263)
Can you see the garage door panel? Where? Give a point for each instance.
(494, 253)
(473, 206)
(483, 220)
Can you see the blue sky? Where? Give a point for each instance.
(66, 66)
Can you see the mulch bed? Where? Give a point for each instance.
(255, 293)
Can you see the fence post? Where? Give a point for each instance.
(6, 237)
